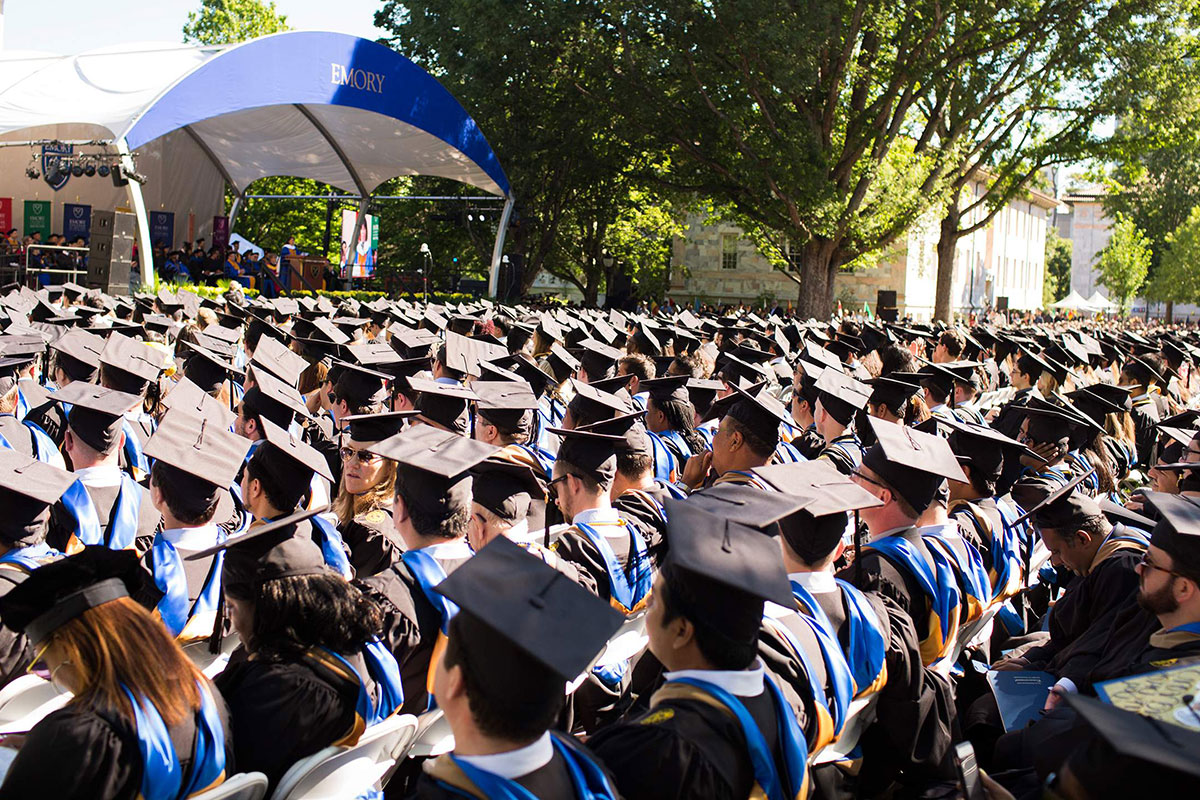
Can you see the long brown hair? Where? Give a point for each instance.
(120, 644)
(348, 506)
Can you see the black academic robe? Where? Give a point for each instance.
(104, 498)
(1009, 420)
(50, 418)
(685, 748)
(15, 652)
(78, 754)
(321, 436)
(550, 781)
(809, 442)
(791, 674)
(18, 435)
(282, 712)
(874, 572)
(410, 626)
(371, 538)
(645, 508)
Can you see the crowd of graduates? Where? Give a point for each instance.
(610, 554)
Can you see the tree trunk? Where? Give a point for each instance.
(1170, 313)
(817, 269)
(943, 308)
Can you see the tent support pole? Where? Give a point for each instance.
(351, 251)
(145, 247)
(234, 207)
(498, 250)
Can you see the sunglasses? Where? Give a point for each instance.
(363, 456)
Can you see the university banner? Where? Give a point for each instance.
(37, 218)
(162, 228)
(220, 236)
(6, 217)
(77, 221)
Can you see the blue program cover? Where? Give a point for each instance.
(1020, 695)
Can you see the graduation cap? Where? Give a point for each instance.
(562, 364)
(1100, 400)
(77, 353)
(514, 609)
(189, 398)
(505, 404)
(1184, 419)
(1182, 435)
(130, 365)
(841, 396)
(288, 459)
(28, 488)
(206, 369)
(726, 571)
(266, 552)
(507, 488)
(594, 454)
(754, 408)
(629, 427)
(667, 389)
(1062, 508)
(360, 386)
(1143, 371)
(259, 328)
(10, 367)
(206, 457)
(703, 392)
(892, 391)
(1053, 423)
(597, 358)
(912, 462)
(946, 375)
(748, 505)
(444, 404)
(983, 448)
(433, 466)
(591, 404)
(56, 593)
(364, 428)
(827, 490)
(1178, 530)
(273, 399)
(97, 413)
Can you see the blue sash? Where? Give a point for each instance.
(123, 522)
(587, 778)
(937, 581)
(627, 594)
(707, 435)
(78, 502)
(677, 439)
(135, 459)
(43, 446)
(175, 607)
(428, 574)
(385, 672)
(786, 453)
(969, 566)
(791, 741)
(664, 462)
(22, 406)
(1079, 466)
(163, 774)
(836, 667)
(331, 547)
(544, 458)
(32, 557)
(1187, 627)
(675, 492)
(868, 649)
(1006, 550)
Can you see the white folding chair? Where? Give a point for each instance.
(242, 786)
(338, 773)
(25, 701)
(434, 737)
(860, 714)
(211, 664)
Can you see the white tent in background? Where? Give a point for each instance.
(1098, 302)
(1072, 302)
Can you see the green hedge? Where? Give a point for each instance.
(214, 292)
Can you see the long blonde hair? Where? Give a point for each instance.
(347, 506)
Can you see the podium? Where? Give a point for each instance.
(305, 268)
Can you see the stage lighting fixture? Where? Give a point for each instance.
(89, 169)
(32, 173)
(77, 170)
(102, 170)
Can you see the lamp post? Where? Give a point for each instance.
(425, 272)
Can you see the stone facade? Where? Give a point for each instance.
(715, 263)
(1084, 222)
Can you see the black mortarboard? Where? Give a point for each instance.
(134, 363)
(506, 592)
(506, 404)
(666, 389)
(302, 460)
(268, 552)
(593, 454)
(273, 399)
(755, 408)
(206, 369)
(944, 376)
(56, 593)
(984, 448)
(1063, 508)
(561, 362)
(912, 462)
(77, 353)
(97, 413)
(433, 466)
(10, 366)
(747, 505)
(506, 488)
(28, 488)
(360, 386)
(592, 405)
(258, 328)
(827, 490)
(597, 358)
(531, 373)
(188, 397)
(376, 427)
(629, 427)
(1143, 372)
(445, 404)
(703, 392)
(728, 569)
(614, 385)
(840, 395)
(892, 391)
(1182, 435)
(198, 447)
(1099, 404)
(1178, 530)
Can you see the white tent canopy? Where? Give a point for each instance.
(1072, 302)
(335, 108)
(1098, 302)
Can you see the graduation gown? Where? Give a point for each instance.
(284, 711)
(15, 652)
(50, 418)
(371, 539)
(845, 452)
(411, 625)
(79, 754)
(1009, 420)
(809, 442)
(684, 748)
(872, 572)
(104, 499)
(646, 508)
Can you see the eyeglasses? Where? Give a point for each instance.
(858, 474)
(1148, 564)
(363, 456)
(550, 488)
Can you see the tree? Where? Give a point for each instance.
(1057, 283)
(1124, 261)
(231, 21)
(1177, 279)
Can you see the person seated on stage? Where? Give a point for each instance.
(28, 490)
(839, 399)
(123, 511)
(719, 726)
(195, 464)
(315, 674)
(746, 438)
(431, 513)
(364, 501)
(521, 633)
(143, 722)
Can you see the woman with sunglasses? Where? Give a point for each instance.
(143, 722)
(364, 502)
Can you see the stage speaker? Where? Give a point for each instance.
(1002, 303)
(619, 291)
(118, 176)
(885, 305)
(110, 251)
(511, 273)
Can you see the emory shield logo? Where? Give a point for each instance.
(52, 158)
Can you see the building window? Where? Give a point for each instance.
(729, 251)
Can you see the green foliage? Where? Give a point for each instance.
(1177, 278)
(1124, 261)
(230, 21)
(213, 292)
(1057, 284)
